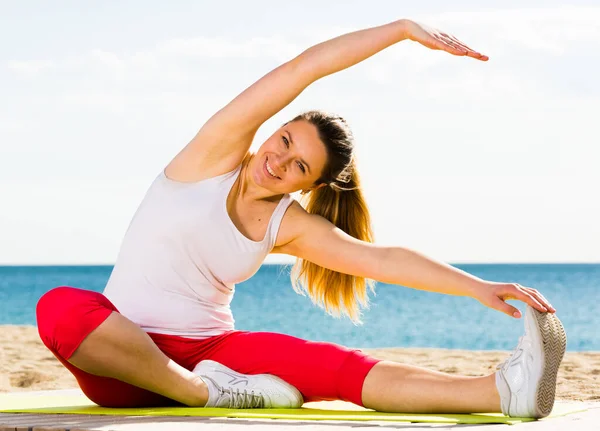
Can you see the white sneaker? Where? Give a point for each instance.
(526, 380)
(230, 389)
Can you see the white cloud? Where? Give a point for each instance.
(108, 102)
(110, 62)
(30, 68)
(208, 47)
(11, 126)
(543, 25)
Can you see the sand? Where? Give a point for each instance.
(27, 365)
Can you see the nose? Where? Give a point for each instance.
(283, 161)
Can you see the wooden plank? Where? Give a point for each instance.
(62, 422)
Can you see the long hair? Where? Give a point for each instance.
(341, 202)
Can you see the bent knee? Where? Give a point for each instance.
(49, 311)
(50, 300)
(66, 315)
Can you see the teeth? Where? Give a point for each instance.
(270, 170)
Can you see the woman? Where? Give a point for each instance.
(163, 332)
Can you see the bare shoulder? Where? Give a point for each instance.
(193, 164)
(315, 239)
(298, 226)
(225, 139)
(294, 222)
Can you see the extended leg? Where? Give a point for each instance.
(524, 386)
(395, 387)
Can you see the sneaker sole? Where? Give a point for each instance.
(554, 341)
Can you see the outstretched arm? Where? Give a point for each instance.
(352, 48)
(315, 239)
(226, 137)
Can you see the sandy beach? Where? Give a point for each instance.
(26, 365)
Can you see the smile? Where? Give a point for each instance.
(269, 170)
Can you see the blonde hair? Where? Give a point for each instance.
(342, 203)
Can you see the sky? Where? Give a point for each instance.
(465, 161)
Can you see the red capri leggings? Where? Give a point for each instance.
(320, 371)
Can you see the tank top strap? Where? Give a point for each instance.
(277, 217)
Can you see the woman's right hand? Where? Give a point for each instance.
(436, 39)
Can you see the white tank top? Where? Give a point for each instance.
(182, 255)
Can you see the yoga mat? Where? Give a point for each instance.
(47, 402)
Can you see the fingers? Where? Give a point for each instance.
(539, 297)
(507, 308)
(528, 295)
(449, 46)
(470, 52)
(458, 42)
(504, 291)
(458, 48)
(529, 299)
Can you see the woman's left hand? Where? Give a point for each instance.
(493, 295)
(436, 39)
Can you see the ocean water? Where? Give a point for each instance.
(398, 316)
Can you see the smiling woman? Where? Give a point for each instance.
(209, 220)
(295, 155)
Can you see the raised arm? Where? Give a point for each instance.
(224, 140)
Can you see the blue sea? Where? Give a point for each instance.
(398, 317)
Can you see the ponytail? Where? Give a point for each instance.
(344, 206)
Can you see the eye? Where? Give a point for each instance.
(286, 142)
(301, 166)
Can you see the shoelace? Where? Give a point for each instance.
(507, 360)
(242, 399)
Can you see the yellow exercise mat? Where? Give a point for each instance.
(72, 402)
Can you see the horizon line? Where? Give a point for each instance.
(2, 265)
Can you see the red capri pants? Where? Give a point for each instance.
(320, 371)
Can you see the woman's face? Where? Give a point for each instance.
(292, 159)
